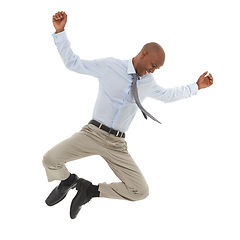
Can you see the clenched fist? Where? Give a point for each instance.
(59, 21)
(205, 81)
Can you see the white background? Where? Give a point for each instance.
(191, 161)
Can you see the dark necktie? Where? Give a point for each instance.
(135, 95)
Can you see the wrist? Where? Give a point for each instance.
(59, 30)
(198, 85)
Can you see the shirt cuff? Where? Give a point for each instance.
(59, 37)
(193, 88)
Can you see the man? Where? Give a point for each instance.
(123, 85)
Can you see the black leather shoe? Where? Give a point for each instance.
(81, 197)
(60, 192)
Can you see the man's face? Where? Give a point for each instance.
(149, 62)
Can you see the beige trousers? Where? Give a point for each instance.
(93, 141)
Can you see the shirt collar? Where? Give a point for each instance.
(130, 68)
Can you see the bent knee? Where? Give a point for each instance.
(49, 160)
(144, 192)
(140, 193)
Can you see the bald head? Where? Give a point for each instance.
(150, 58)
(152, 47)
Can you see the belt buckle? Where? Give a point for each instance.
(119, 135)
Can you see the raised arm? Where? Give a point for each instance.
(95, 68)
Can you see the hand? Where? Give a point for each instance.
(59, 21)
(205, 81)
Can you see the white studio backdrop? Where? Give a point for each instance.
(191, 161)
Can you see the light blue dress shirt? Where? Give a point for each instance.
(115, 106)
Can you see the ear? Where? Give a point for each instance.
(143, 54)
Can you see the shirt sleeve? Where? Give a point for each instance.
(73, 62)
(173, 94)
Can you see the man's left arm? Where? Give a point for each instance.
(177, 93)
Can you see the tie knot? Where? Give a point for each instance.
(135, 76)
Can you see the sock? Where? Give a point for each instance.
(69, 180)
(92, 191)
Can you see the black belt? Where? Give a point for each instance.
(107, 129)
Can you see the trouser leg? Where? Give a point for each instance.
(133, 186)
(77, 146)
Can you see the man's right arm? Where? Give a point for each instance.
(95, 68)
